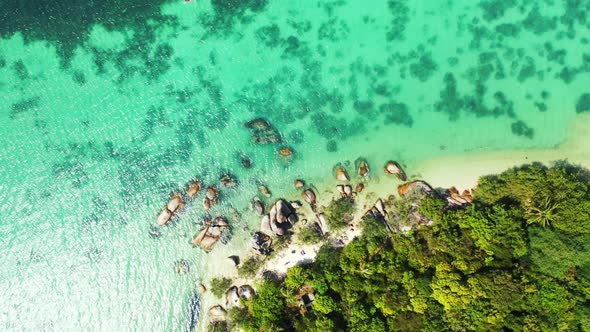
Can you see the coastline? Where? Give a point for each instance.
(460, 171)
(463, 170)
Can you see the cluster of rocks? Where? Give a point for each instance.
(261, 243)
(211, 197)
(234, 294)
(406, 188)
(263, 132)
(211, 233)
(378, 210)
(454, 199)
(281, 217)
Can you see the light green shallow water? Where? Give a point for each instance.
(94, 141)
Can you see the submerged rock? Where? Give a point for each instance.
(264, 190)
(182, 266)
(245, 161)
(228, 181)
(258, 124)
(263, 132)
(286, 151)
(392, 167)
(193, 310)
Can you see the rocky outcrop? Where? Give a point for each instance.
(263, 132)
(246, 292)
(217, 313)
(377, 210)
(175, 203)
(211, 233)
(392, 167)
(419, 184)
(280, 218)
(232, 297)
(454, 199)
(360, 187)
(261, 243)
(344, 190)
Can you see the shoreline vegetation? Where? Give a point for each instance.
(511, 253)
(359, 205)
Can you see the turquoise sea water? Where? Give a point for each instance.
(105, 109)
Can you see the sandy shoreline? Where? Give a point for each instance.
(462, 171)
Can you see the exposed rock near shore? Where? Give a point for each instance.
(392, 167)
(211, 233)
(193, 188)
(309, 196)
(362, 167)
(341, 174)
(455, 199)
(280, 218)
(175, 203)
(405, 188)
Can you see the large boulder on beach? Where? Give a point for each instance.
(309, 196)
(232, 297)
(217, 313)
(341, 174)
(246, 292)
(280, 217)
(394, 168)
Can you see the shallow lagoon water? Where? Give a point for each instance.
(103, 118)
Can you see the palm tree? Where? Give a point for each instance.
(540, 212)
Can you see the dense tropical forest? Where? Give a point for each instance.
(516, 259)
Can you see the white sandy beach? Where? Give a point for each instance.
(462, 171)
